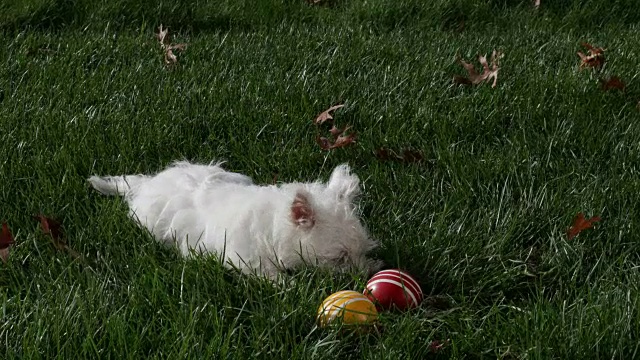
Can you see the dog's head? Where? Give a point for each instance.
(325, 218)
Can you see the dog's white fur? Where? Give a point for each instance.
(256, 228)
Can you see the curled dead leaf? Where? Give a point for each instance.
(335, 132)
(344, 140)
(461, 80)
(340, 138)
(594, 57)
(437, 345)
(488, 71)
(323, 142)
(180, 47)
(53, 228)
(6, 240)
(340, 141)
(163, 36)
(326, 115)
(611, 83)
(169, 57)
(581, 223)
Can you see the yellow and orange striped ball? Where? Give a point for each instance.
(348, 308)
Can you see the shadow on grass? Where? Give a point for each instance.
(386, 15)
(186, 15)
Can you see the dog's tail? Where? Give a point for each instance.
(116, 185)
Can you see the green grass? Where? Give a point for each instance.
(481, 222)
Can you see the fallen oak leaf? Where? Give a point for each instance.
(169, 57)
(341, 141)
(613, 82)
(6, 240)
(53, 228)
(495, 57)
(437, 345)
(488, 72)
(323, 142)
(385, 154)
(592, 49)
(461, 80)
(594, 57)
(471, 71)
(337, 131)
(581, 223)
(338, 134)
(326, 115)
(344, 140)
(177, 47)
(163, 36)
(412, 156)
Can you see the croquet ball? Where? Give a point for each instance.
(393, 288)
(348, 308)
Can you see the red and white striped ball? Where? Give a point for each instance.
(394, 288)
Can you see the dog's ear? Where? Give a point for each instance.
(343, 183)
(302, 212)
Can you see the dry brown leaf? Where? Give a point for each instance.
(341, 141)
(344, 140)
(326, 115)
(488, 71)
(53, 228)
(385, 154)
(163, 36)
(6, 240)
(581, 223)
(594, 57)
(340, 138)
(613, 82)
(436, 345)
(461, 80)
(335, 132)
(180, 47)
(412, 156)
(323, 142)
(169, 57)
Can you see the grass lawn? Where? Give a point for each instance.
(481, 221)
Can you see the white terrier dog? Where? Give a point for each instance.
(254, 228)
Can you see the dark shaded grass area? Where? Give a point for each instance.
(197, 15)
